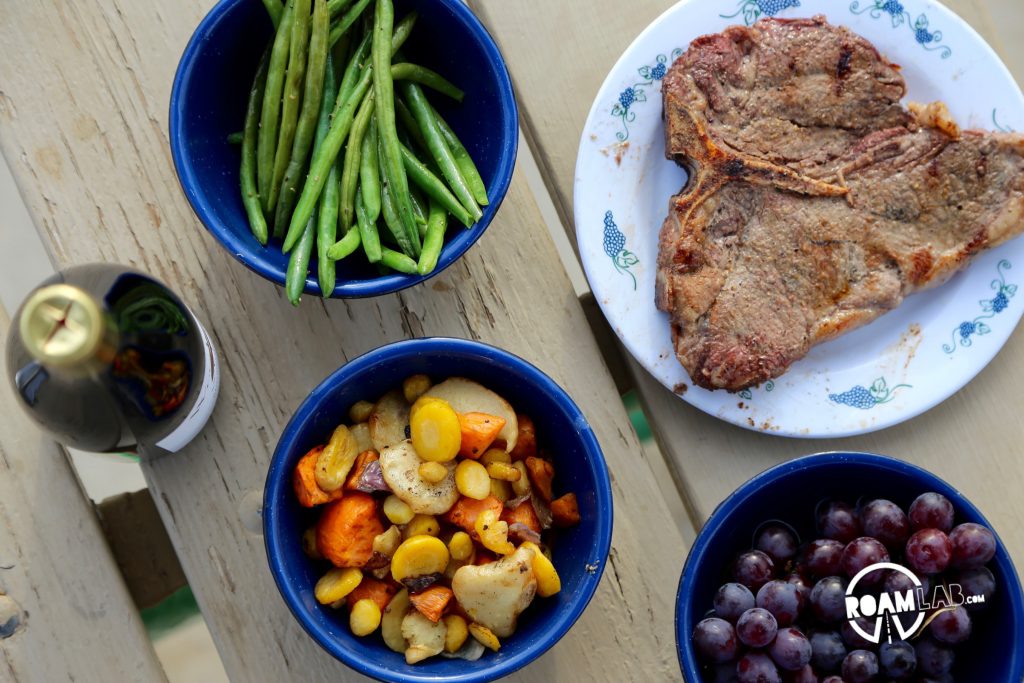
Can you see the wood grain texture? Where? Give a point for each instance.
(76, 619)
(98, 180)
(970, 439)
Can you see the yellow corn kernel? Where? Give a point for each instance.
(336, 584)
(472, 480)
(521, 486)
(387, 543)
(336, 460)
(434, 472)
(455, 636)
(397, 510)
(419, 555)
(548, 582)
(495, 455)
(501, 490)
(493, 533)
(436, 433)
(422, 525)
(364, 617)
(503, 472)
(360, 411)
(461, 546)
(485, 636)
(415, 386)
(309, 544)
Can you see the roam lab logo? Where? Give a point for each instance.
(890, 609)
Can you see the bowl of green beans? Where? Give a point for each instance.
(343, 148)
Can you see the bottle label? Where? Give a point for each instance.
(206, 400)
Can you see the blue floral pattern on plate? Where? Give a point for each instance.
(752, 10)
(615, 247)
(769, 386)
(637, 93)
(965, 332)
(1001, 128)
(894, 9)
(866, 398)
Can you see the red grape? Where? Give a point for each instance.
(977, 581)
(929, 551)
(833, 679)
(753, 569)
(931, 511)
(755, 667)
(898, 582)
(897, 659)
(828, 599)
(933, 659)
(803, 587)
(860, 666)
(822, 558)
(952, 626)
(861, 553)
(803, 675)
(838, 520)
(854, 640)
(732, 600)
(715, 640)
(757, 627)
(827, 650)
(973, 546)
(781, 599)
(791, 650)
(885, 520)
(777, 542)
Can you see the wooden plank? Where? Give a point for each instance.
(970, 439)
(110, 64)
(65, 613)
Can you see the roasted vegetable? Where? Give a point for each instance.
(389, 420)
(435, 432)
(361, 433)
(472, 480)
(457, 631)
(465, 512)
(356, 480)
(400, 465)
(345, 532)
(485, 636)
(364, 617)
(397, 511)
(541, 473)
(494, 595)
(422, 525)
(419, 555)
(336, 584)
(548, 581)
(304, 481)
(336, 459)
(565, 511)
(391, 622)
(522, 514)
(432, 602)
(425, 637)
(415, 386)
(381, 592)
(526, 439)
(493, 533)
(479, 430)
(466, 396)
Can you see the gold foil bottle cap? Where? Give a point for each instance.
(61, 325)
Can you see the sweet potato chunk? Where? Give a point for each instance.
(364, 459)
(464, 513)
(526, 443)
(541, 473)
(370, 588)
(523, 514)
(565, 511)
(432, 602)
(345, 532)
(304, 482)
(478, 433)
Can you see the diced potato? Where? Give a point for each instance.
(479, 430)
(336, 584)
(397, 510)
(361, 433)
(400, 466)
(422, 525)
(434, 429)
(309, 544)
(456, 633)
(364, 617)
(495, 594)
(493, 533)
(521, 486)
(387, 543)
(472, 480)
(360, 411)
(485, 636)
(461, 546)
(419, 555)
(466, 396)
(433, 472)
(495, 455)
(501, 490)
(503, 472)
(415, 386)
(389, 420)
(391, 622)
(336, 460)
(548, 581)
(425, 638)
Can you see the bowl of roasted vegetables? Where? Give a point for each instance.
(437, 509)
(343, 148)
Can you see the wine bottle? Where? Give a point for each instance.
(107, 359)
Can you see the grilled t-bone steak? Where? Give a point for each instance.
(816, 201)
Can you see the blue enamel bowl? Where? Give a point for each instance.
(208, 103)
(579, 553)
(790, 492)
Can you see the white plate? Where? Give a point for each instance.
(891, 370)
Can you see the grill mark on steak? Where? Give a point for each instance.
(816, 202)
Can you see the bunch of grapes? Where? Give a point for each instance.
(783, 618)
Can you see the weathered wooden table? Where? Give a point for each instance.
(83, 127)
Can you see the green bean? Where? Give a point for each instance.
(353, 70)
(274, 9)
(247, 173)
(369, 169)
(309, 115)
(383, 87)
(403, 30)
(350, 169)
(397, 261)
(437, 224)
(271, 110)
(419, 210)
(298, 263)
(345, 246)
(237, 137)
(367, 229)
(291, 102)
(336, 6)
(327, 232)
(439, 148)
(347, 20)
(409, 121)
(324, 158)
(389, 210)
(434, 186)
(463, 160)
(433, 80)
